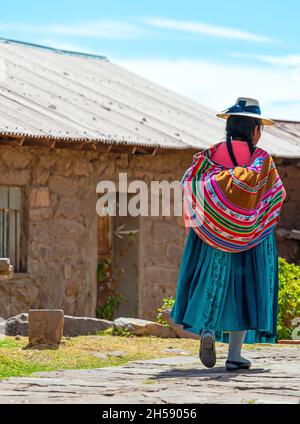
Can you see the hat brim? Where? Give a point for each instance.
(265, 121)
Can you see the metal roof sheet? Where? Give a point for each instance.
(50, 93)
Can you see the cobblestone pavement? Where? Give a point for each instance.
(273, 378)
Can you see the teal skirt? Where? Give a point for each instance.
(224, 291)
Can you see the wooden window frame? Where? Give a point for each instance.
(11, 242)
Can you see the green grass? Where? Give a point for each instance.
(8, 342)
(17, 359)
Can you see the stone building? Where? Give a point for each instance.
(69, 121)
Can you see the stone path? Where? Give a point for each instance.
(274, 378)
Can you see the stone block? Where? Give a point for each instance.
(47, 160)
(63, 164)
(45, 326)
(63, 186)
(41, 176)
(16, 158)
(142, 327)
(82, 168)
(11, 177)
(39, 198)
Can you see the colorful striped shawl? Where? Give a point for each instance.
(232, 209)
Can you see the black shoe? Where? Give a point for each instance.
(237, 365)
(207, 352)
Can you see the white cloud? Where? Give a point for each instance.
(117, 29)
(108, 29)
(218, 85)
(206, 29)
(285, 60)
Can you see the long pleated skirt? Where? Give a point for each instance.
(225, 291)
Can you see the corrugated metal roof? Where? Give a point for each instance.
(49, 93)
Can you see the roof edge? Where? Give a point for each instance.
(53, 49)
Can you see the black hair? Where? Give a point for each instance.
(240, 128)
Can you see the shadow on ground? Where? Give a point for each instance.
(215, 373)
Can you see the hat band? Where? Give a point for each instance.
(241, 108)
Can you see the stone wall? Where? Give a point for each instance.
(59, 188)
(289, 170)
(60, 226)
(60, 231)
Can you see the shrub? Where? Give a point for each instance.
(107, 310)
(168, 302)
(288, 297)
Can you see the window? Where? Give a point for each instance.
(10, 225)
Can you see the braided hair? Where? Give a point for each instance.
(240, 128)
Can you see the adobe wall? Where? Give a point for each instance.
(59, 195)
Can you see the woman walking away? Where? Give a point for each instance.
(227, 286)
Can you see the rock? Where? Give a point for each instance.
(176, 351)
(116, 353)
(17, 326)
(45, 326)
(73, 326)
(180, 332)
(82, 326)
(141, 327)
(100, 355)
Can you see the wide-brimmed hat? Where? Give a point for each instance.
(246, 107)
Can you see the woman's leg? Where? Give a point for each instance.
(236, 339)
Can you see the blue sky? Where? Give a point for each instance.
(212, 51)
